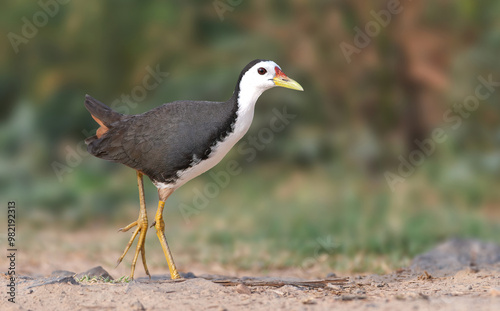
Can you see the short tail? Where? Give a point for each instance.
(102, 114)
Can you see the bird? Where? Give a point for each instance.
(176, 142)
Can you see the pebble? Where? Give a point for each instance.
(351, 297)
(309, 301)
(95, 272)
(495, 291)
(137, 306)
(243, 289)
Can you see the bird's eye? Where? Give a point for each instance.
(261, 71)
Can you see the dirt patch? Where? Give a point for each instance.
(457, 275)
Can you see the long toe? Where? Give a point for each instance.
(127, 228)
(128, 246)
(160, 227)
(141, 230)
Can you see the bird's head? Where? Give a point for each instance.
(266, 74)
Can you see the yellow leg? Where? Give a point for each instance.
(160, 232)
(142, 228)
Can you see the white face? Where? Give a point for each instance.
(260, 76)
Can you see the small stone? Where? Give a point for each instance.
(137, 306)
(280, 293)
(423, 296)
(351, 297)
(95, 272)
(347, 297)
(188, 275)
(289, 289)
(309, 301)
(243, 289)
(495, 291)
(275, 295)
(425, 276)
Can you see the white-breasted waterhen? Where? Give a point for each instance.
(177, 141)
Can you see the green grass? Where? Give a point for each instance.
(93, 280)
(274, 217)
(347, 223)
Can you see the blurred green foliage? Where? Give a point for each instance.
(322, 176)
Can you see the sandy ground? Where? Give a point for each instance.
(456, 275)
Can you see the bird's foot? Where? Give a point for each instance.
(160, 232)
(142, 228)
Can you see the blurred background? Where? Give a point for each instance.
(395, 145)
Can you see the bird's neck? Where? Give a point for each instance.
(244, 100)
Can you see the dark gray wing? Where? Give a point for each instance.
(164, 140)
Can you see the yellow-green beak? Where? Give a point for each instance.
(281, 79)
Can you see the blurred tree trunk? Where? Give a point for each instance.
(422, 73)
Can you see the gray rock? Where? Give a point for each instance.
(188, 275)
(95, 272)
(455, 255)
(137, 306)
